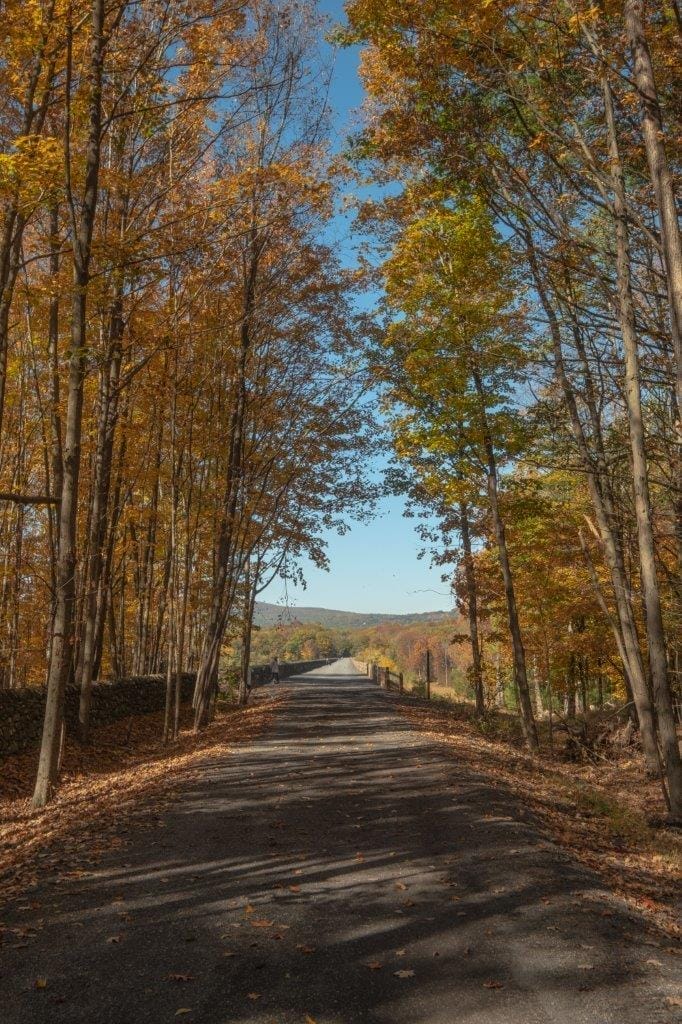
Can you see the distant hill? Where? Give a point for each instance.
(275, 614)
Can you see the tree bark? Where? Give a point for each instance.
(472, 608)
(661, 178)
(601, 497)
(95, 589)
(520, 674)
(645, 535)
(82, 227)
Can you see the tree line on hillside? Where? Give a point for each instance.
(530, 348)
(179, 389)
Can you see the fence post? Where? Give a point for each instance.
(428, 674)
(400, 682)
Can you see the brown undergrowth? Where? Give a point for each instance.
(604, 815)
(125, 775)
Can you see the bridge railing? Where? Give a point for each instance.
(385, 678)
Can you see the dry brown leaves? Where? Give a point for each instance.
(600, 814)
(125, 776)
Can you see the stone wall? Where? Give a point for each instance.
(21, 711)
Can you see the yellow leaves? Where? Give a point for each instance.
(580, 18)
(32, 172)
(539, 141)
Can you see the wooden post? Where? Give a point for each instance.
(386, 679)
(400, 682)
(428, 674)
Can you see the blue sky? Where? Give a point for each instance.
(374, 567)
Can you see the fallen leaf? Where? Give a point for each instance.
(309, 1019)
(400, 885)
(400, 952)
(654, 963)
(183, 1009)
(41, 982)
(493, 984)
(302, 948)
(113, 939)
(404, 974)
(294, 888)
(253, 996)
(374, 965)
(181, 977)
(674, 1000)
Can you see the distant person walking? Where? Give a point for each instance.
(274, 670)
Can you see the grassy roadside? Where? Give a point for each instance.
(124, 776)
(601, 813)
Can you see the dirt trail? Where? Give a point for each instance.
(341, 869)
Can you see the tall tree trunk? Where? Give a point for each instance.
(82, 228)
(247, 627)
(94, 589)
(529, 727)
(571, 705)
(602, 502)
(207, 675)
(659, 170)
(645, 535)
(472, 608)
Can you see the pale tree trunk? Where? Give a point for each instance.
(602, 502)
(56, 453)
(173, 668)
(247, 626)
(520, 675)
(472, 608)
(94, 590)
(207, 675)
(645, 535)
(82, 228)
(659, 170)
(105, 588)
